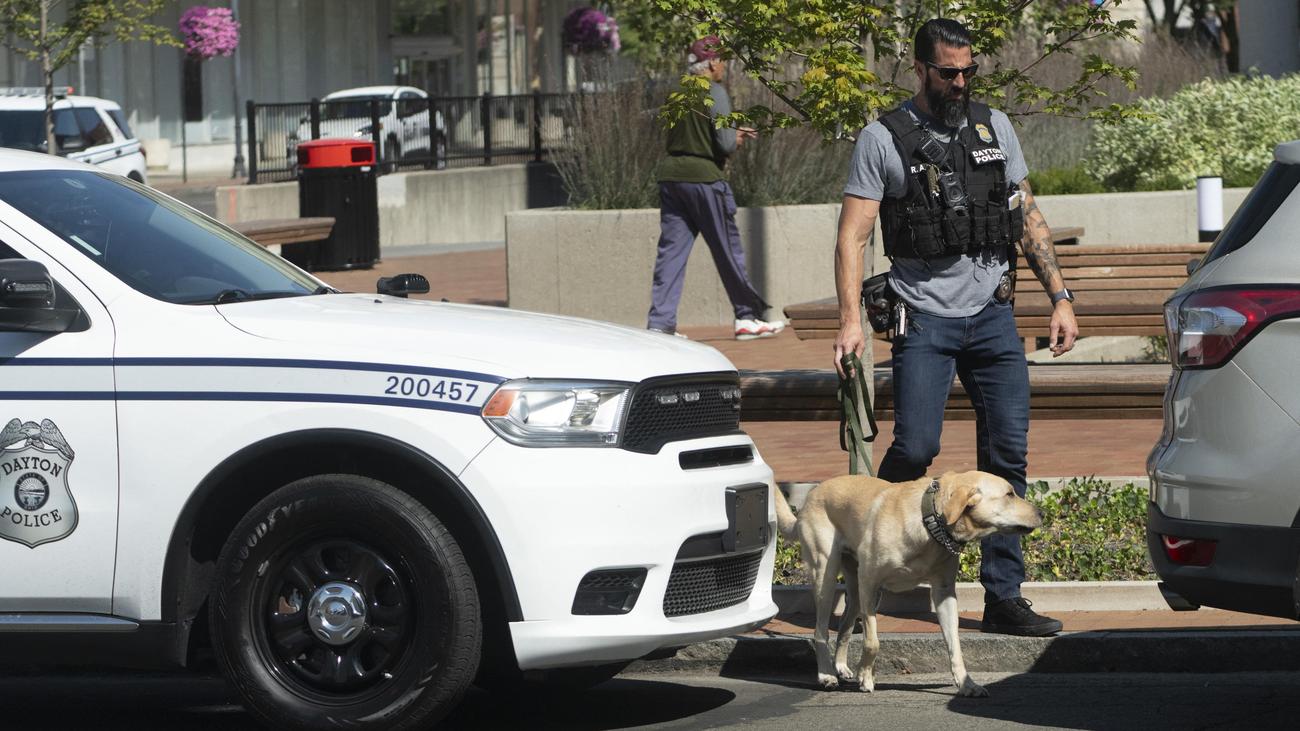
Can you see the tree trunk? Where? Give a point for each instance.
(47, 75)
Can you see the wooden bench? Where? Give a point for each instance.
(280, 231)
(1106, 391)
(1119, 290)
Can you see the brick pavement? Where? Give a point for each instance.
(805, 451)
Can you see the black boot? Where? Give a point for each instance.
(1014, 617)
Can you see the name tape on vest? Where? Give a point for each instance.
(986, 155)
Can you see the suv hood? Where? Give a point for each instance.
(504, 342)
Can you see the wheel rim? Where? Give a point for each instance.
(336, 617)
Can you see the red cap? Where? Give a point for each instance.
(706, 48)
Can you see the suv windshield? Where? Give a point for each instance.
(157, 246)
(353, 108)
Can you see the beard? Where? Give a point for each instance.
(950, 111)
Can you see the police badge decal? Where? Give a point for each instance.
(36, 505)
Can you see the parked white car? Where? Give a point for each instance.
(358, 500)
(408, 128)
(86, 128)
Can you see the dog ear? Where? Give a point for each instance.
(961, 496)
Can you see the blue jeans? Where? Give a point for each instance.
(987, 354)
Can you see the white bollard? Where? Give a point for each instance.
(1209, 207)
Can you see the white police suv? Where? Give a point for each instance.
(86, 128)
(358, 501)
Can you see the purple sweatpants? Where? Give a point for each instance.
(686, 210)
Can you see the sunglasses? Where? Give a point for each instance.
(948, 73)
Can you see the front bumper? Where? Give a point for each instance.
(561, 513)
(1254, 568)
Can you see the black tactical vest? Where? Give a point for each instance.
(923, 224)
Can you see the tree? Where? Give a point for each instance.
(30, 29)
(835, 62)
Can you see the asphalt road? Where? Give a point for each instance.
(144, 702)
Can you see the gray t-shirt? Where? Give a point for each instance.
(951, 286)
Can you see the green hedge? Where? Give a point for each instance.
(1091, 532)
(1223, 127)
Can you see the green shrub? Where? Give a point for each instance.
(1064, 181)
(1091, 532)
(1223, 127)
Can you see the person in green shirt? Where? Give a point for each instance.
(694, 199)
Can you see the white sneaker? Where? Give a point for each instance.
(755, 328)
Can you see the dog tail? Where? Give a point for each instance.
(785, 518)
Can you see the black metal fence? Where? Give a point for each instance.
(411, 133)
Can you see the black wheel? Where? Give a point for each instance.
(342, 602)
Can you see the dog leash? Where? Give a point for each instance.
(855, 402)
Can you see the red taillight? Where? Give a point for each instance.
(1207, 327)
(1189, 551)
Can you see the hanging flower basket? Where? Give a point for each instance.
(587, 30)
(209, 32)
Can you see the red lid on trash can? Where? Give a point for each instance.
(336, 153)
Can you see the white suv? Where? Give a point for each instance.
(357, 500)
(86, 128)
(1224, 521)
(408, 128)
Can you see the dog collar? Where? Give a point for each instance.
(934, 522)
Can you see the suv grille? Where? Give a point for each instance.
(668, 410)
(696, 587)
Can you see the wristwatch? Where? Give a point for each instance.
(1064, 294)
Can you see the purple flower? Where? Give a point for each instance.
(587, 30)
(209, 32)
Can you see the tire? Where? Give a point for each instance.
(347, 542)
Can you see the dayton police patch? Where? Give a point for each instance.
(983, 131)
(36, 505)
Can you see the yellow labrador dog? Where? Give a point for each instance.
(896, 537)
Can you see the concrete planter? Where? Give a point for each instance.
(599, 264)
(443, 207)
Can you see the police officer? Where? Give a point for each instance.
(947, 178)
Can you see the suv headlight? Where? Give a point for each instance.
(557, 413)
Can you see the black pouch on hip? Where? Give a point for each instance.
(878, 299)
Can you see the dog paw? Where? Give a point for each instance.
(971, 689)
(867, 682)
(828, 682)
(846, 674)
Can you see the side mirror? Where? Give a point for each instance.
(402, 285)
(1192, 265)
(27, 299)
(74, 144)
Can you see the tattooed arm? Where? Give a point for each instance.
(1041, 255)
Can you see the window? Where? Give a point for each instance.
(93, 127)
(119, 118)
(1276, 185)
(67, 133)
(160, 248)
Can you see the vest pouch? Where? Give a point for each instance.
(984, 227)
(956, 230)
(927, 233)
(1016, 225)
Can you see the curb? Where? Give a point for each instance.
(1199, 651)
(1047, 596)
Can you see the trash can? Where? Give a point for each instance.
(336, 178)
